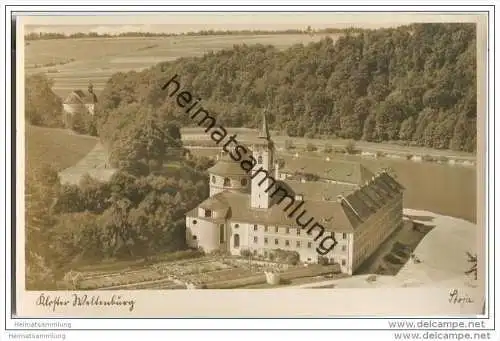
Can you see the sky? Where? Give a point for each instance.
(192, 21)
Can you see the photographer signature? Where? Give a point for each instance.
(457, 298)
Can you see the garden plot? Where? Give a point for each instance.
(106, 280)
(206, 272)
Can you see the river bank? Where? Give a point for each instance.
(197, 137)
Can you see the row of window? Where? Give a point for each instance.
(287, 230)
(287, 243)
(227, 181)
(208, 213)
(276, 242)
(265, 253)
(298, 243)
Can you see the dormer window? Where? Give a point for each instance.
(208, 213)
(227, 182)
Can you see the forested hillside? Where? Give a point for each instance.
(415, 84)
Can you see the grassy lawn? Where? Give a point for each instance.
(57, 147)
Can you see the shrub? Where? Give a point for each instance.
(323, 261)
(390, 258)
(339, 150)
(285, 256)
(400, 246)
(427, 158)
(281, 163)
(178, 255)
(309, 176)
(293, 258)
(400, 254)
(311, 147)
(350, 147)
(328, 148)
(219, 252)
(246, 253)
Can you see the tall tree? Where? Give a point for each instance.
(42, 106)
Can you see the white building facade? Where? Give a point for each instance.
(241, 215)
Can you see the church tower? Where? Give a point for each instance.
(263, 152)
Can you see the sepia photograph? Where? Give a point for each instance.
(324, 153)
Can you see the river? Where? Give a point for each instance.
(439, 188)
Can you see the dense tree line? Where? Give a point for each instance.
(127, 217)
(414, 84)
(55, 35)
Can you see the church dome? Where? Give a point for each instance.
(226, 166)
(227, 174)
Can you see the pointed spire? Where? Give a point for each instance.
(264, 131)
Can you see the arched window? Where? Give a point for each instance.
(259, 160)
(236, 240)
(213, 179)
(227, 182)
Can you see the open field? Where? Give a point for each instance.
(95, 164)
(71, 154)
(57, 147)
(97, 59)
